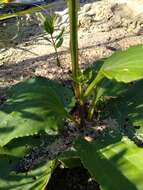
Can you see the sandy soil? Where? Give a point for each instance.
(104, 26)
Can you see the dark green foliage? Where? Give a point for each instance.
(34, 106)
(116, 165)
(10, 155)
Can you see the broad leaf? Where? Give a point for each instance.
(129, 107)
(124, 66)
(114, 164)
(10, 155)
(33, 106)
(111, 89)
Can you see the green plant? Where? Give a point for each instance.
(49, 24)
(104, 131)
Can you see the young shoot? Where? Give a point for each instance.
(49, 24)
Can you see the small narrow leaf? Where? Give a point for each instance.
(59, 42)
(50, 22)
(48, 26)
(60, 34)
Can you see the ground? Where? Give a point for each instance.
(104, 26)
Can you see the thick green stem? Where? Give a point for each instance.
(73, 18)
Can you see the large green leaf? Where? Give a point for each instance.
(35, 179)
(128, 108)
(115, 164)
(33, 106)
(124, 66)
(110, 89)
